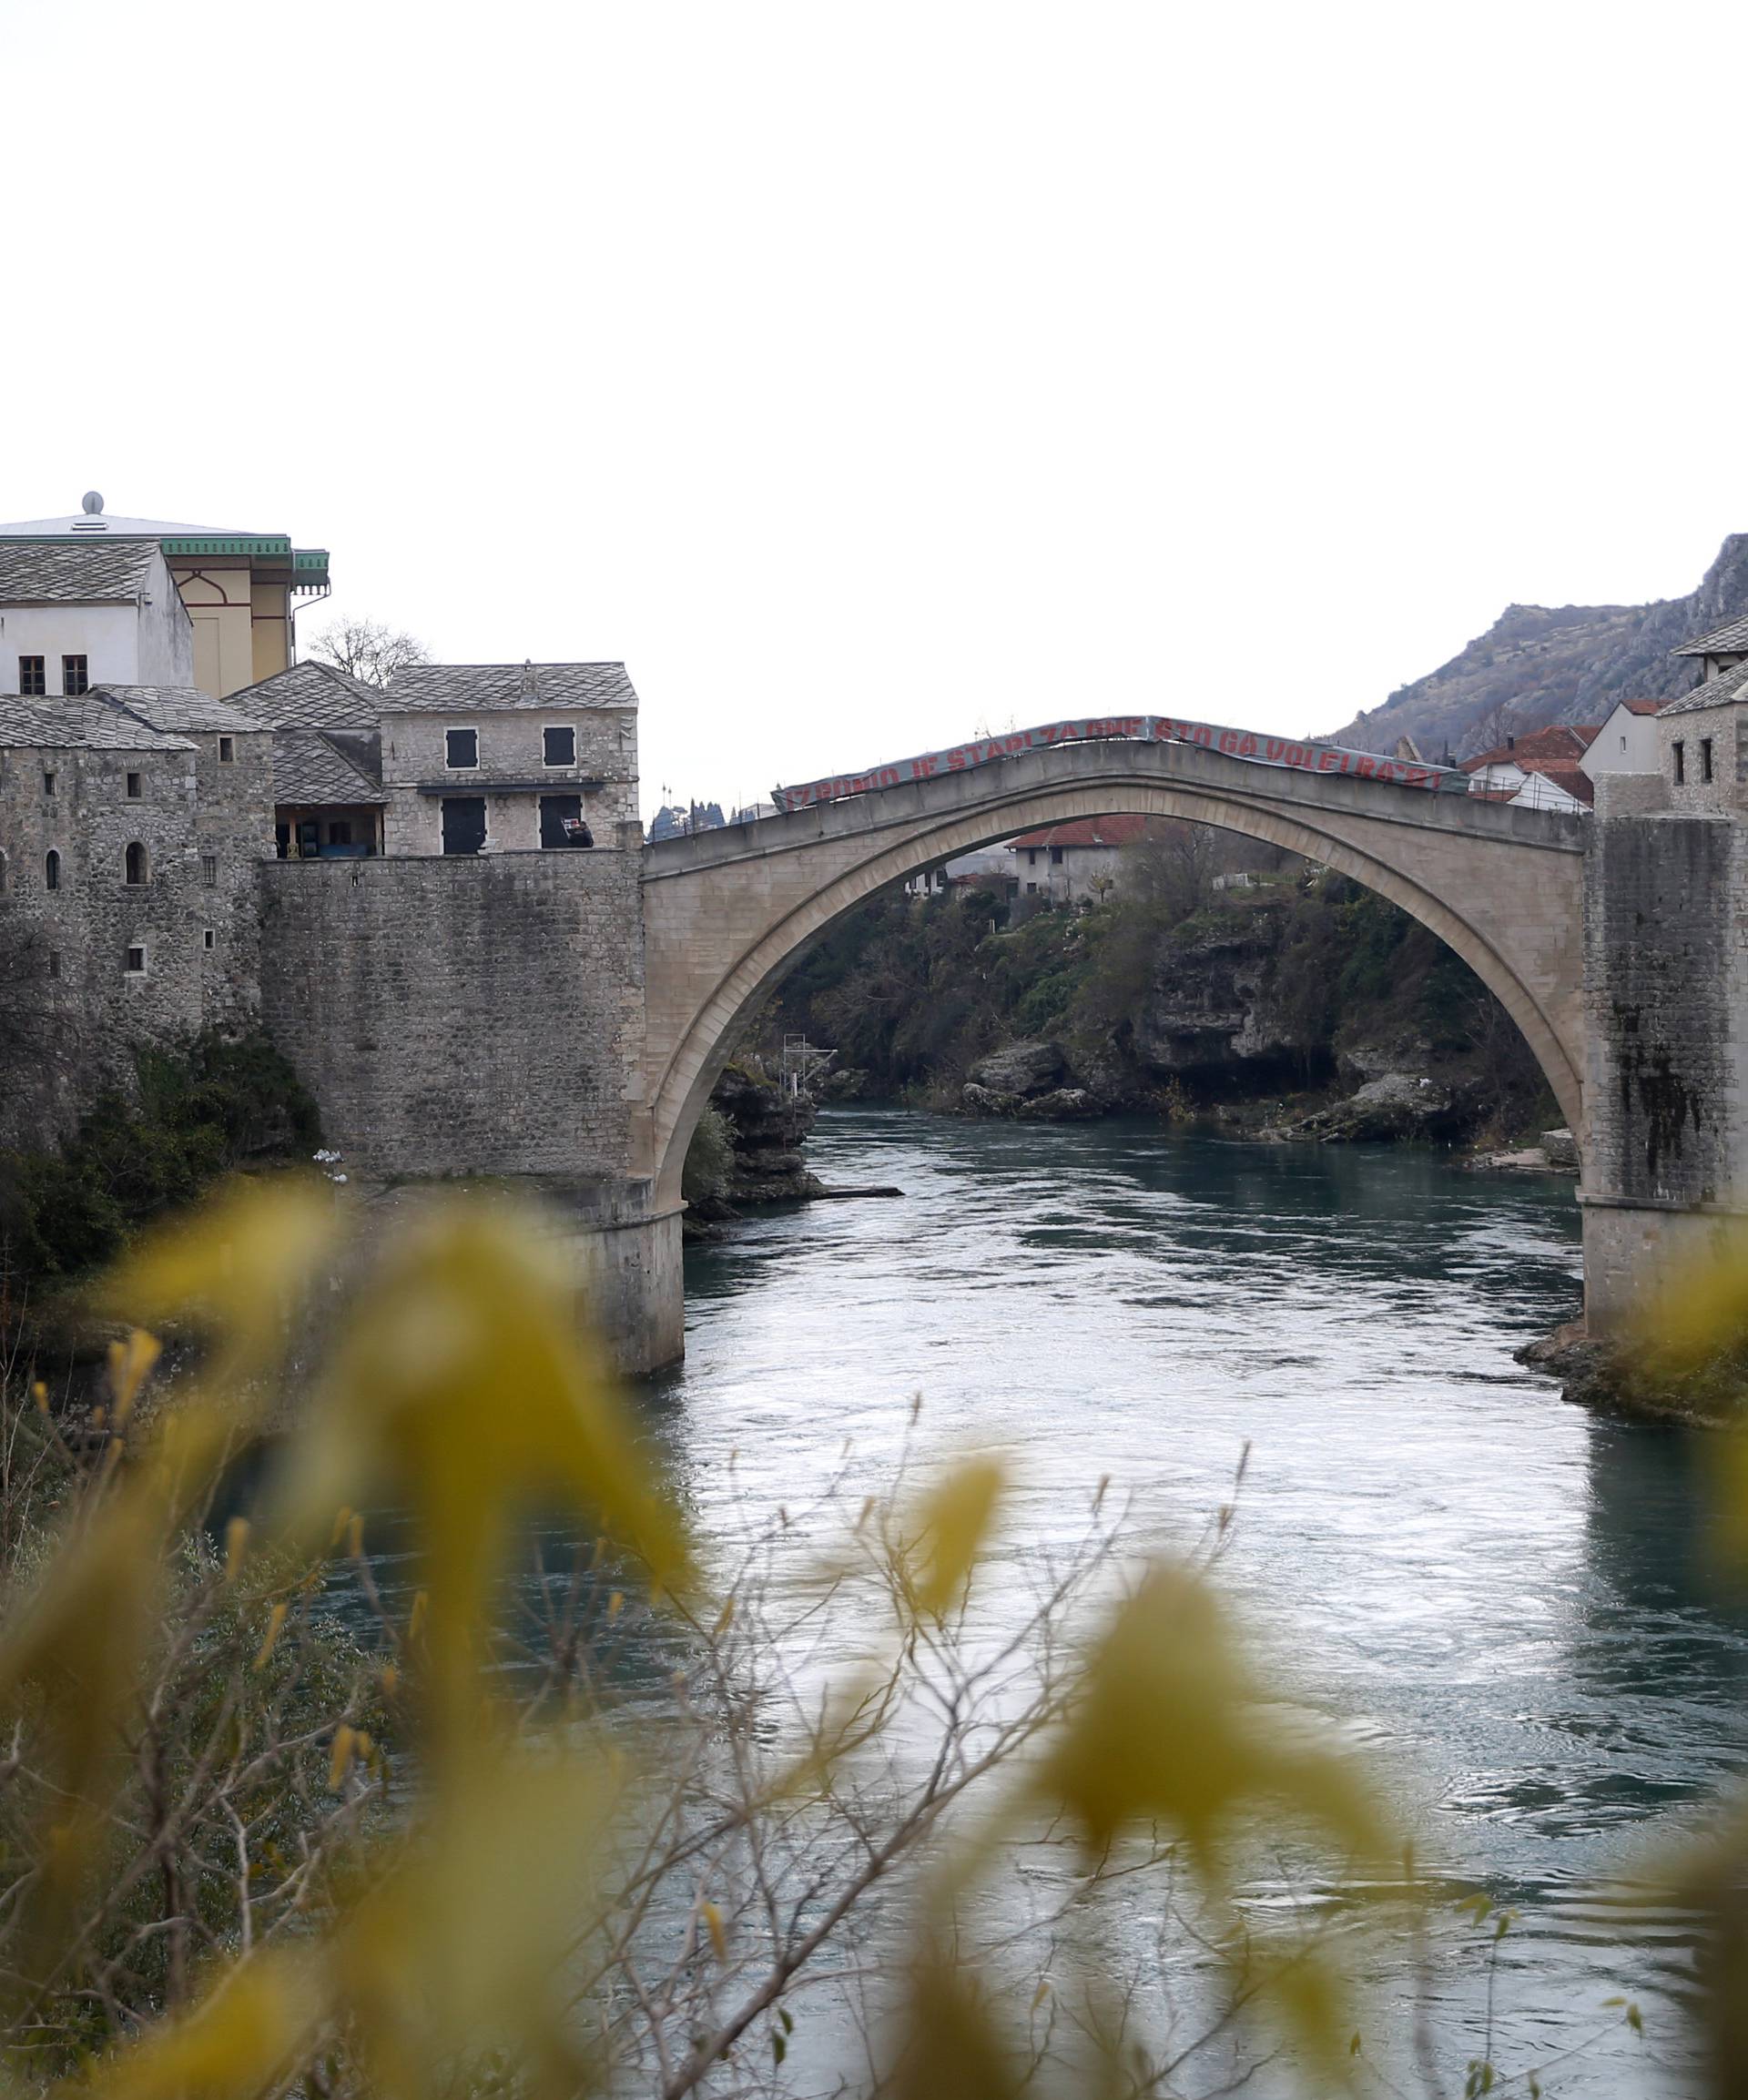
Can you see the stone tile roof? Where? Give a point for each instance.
(1086, 831)
(1717, 691)
(181, 710)
(90, 722)
(471, 688)
(1720, 641)
(76, 571)
(310, 771)
(312, 695)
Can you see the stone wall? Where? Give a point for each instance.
(1666, 970)
(75, 1010)
(473, 1015)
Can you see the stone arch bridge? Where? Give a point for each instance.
(725, 912)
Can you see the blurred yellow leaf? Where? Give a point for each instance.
(953, 1524)
(459, 1950)
(1169, 1727)
(240, 1262)
(950, 2046)
(1707, 1307)
(243, 2040)
(129, 1363)
(1308, 2000)
(461, 1387)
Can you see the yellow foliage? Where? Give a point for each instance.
(953, 1526)
(241, 2040)
(1168, 1728)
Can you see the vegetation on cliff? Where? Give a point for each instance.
(1170, 995)
(194, 1115)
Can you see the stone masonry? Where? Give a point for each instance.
(466, 1016)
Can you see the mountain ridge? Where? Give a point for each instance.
(1540, 665)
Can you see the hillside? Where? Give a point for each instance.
(1539, 665)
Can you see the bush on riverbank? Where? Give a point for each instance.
(196, 1115)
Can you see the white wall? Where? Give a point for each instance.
(148, 644)
(1626, 743)
(108, 636)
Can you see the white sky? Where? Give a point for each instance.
(868, 376)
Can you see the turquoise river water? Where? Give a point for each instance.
(1502, 1598)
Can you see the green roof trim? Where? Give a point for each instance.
(311, 561)
(268, 546)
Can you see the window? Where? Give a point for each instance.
(209, 869)
(133, 788)
(51, 869)
(1031, 857)
(1623, 744)
(464, 824)
(136, 961)
(1680, 751)
(461, 748)
(339, 831)
(559, 746)
(1705, 758)
(136, 865)
(54, 962)
(75, 677)
(48, 783)
(206, 939)
(1055, 856)
(226, 750)
(561, 822)
(33, 677)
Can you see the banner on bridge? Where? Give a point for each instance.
(1293, 754)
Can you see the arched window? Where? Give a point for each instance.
(136, 864)
(51, 869)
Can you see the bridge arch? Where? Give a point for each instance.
(728, 913)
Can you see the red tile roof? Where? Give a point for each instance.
(1087, 831)
(1563, 744)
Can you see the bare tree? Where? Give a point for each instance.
(368, 650)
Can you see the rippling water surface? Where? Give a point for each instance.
(1499, 1594)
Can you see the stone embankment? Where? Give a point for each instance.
(1624, 1377)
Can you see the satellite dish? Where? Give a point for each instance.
(91, 504)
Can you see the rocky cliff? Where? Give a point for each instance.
(1539, 665)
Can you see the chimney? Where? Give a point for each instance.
(1510, 743)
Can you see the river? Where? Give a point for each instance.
(1499, 1595)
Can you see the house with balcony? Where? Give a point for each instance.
(509, 757)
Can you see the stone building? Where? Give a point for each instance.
(102, 942)
(1073, 863)
(328, 798)
(503, 757)
(238, 589)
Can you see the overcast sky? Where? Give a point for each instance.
(865, 377)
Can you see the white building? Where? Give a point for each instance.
(1627, 741)
(1073, 863)
(76, 615)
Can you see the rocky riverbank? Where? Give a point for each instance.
(1298, 1008)
(1625, 1378)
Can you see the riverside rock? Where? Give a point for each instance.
(1397, 1105)
(1019, 1070)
